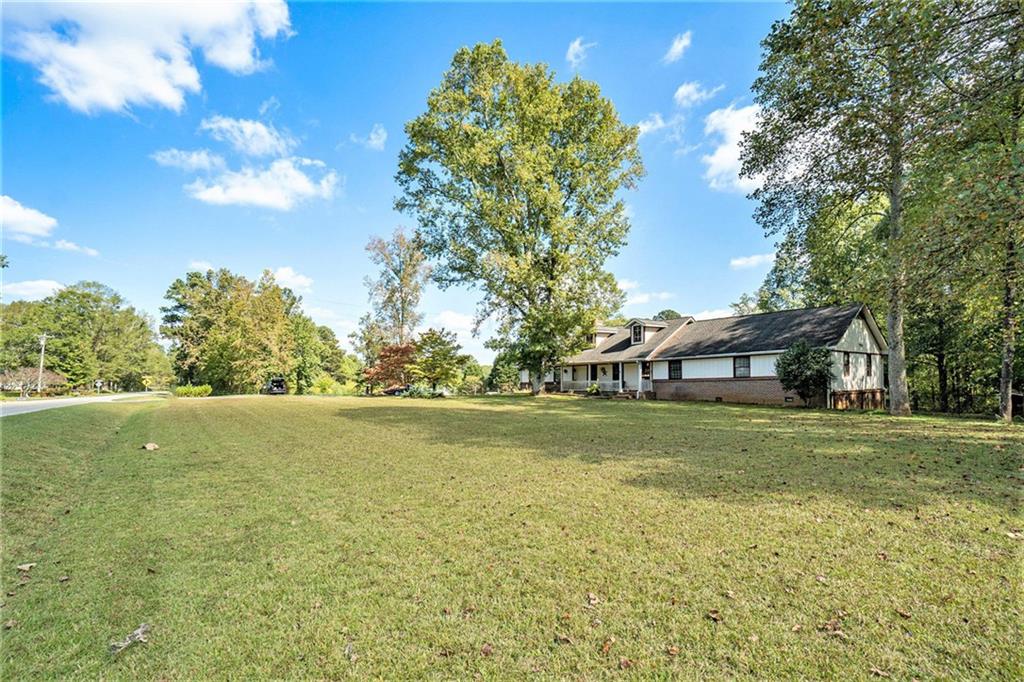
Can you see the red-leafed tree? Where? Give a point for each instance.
(391, 367)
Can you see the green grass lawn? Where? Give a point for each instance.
(395, 538)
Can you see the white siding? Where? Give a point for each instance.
(659, 370)
(707, 368)
(858, 378)
(630, 376)
(524, 376)
(859, 338)
(763, 365)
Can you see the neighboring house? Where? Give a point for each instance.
(730, 359)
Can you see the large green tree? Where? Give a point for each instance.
(514, 180)
(846, 96)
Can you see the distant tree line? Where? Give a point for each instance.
(234, 334)
(92, 335)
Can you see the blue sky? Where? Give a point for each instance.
(137, 145)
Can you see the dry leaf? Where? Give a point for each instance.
(487, 650)
(151, 446)
(821, 579)
(10, 624)
(797, 627)
(754, 638)
(625, 664)
(715, 615)
(879, 673)
(607, 646)
(672, 650)
(563, 639)
(592, 599)
(26, 567)
(904, 614)
(63, 579)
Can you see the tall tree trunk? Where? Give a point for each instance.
(940, 365)
(536, 381)
(899, 395)
(1010, 274)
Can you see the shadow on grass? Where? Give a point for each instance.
(704, 451)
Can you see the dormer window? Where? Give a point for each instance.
(638, 333)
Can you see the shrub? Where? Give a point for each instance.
(422, 391)
(325, 385)
(593, 389)
(805, 370)
(190, 391)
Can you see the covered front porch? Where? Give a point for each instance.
(612, 377)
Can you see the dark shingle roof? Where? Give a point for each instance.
(762, 332)
(617, 347)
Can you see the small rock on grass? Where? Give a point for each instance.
(150, 446)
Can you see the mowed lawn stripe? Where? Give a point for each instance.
(327, 537)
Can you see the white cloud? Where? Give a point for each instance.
(281, 185)
(110, 56)
(269, 105)
(651, 124)
(689, 94)
(65, 245)
(451, 320)
(287, 277)
(714, 314)
(723, 164)
(29, 290)
(22, 223)
(249, 137)
(375, 140)
(678, 47)
(628, 284)
(754, 261)
(641, 298)
(200, 265)
(195, 160)
(577, 52)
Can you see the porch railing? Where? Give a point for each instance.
(604, 385)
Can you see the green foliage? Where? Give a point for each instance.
(437, 359)
(806, 371)
(593, 389)
(668, 314)
(514, 181)
(190, 391)
(504, 374)
(92, 334)
(234, 334)
(422, 391)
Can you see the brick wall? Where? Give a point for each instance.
(867, 399)
(755, 390)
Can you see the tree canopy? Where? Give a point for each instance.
(514, 180)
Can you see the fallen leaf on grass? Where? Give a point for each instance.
(715, 615)
(607, 646)
(879, 673)
(592, 599)
(10, 624)
(136, 635)
(904, 614)
(672, 650)
(150, 446)
(625, 664)
(486, 650)
(754, 638)
(797, 627)
(563, 639)
(63, 578)
(821, 579)
(26, 567)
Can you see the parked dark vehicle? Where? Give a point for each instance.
(397, 390)
(275, 386)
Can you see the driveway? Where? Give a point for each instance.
(9, 408)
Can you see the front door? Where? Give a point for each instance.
(593, 372)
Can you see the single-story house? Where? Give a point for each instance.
(729, 359)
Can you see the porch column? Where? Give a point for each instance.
(639, 378)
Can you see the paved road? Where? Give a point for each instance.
(9, 408)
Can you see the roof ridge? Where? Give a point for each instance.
(776, 312)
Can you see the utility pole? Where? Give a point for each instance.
(42, 356)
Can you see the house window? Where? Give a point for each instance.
(638, 333)
(846, 364)
(591, 339)
(593, 372)
(675, 369)
(867, 367)
(741, 366)
(615, 372)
